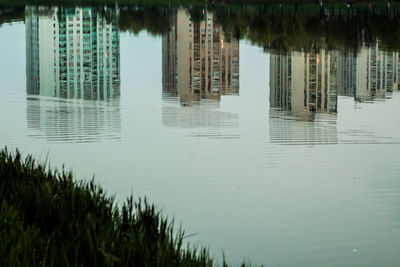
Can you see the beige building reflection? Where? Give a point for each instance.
(304, 83)
(73, 73)
(303, 97)
(198, 60)
(371, 74)
(309, 83)
(304, 90)
(289, 130)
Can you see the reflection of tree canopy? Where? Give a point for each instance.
(299, 26)
(154, 19)
(10, 14)
(278, 27)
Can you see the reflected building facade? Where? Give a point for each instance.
(198, 60)
(309, 83)
(369, 75)
(304, 83)
(72, 53)
(305, 87)
(73, 121)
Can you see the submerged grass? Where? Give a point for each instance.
(48, 219)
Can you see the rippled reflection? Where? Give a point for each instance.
(287, 130)
(370, 74)
(73, 53)
(73, 121)
(306, 85)
(303, 87)
(199, 116)
(199, 62)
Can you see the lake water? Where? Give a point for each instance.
(276, 145)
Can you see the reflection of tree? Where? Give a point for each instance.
(154, 19)
(283, 27)
(11, 14)
(297, 26)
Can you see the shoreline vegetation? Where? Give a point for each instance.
(275, 27)
(47, 218)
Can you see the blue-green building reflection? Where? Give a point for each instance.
(72, 53)
(73, 73)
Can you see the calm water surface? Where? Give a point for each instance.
(286, 157)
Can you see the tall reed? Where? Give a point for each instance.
(49, 219)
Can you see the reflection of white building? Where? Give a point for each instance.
(72, 53)
(199, 61)
(73, 120)
(304, 83)
(368, 75)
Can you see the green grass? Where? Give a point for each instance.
(49, 219)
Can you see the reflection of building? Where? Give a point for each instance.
(347, 75)
(199, 61)
(72, 53)
(369, 74)
(311, 81)
(284, 129)
(198, 117)
(73, 120)
(304, 86)
(304, 83)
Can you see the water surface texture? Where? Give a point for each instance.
(272, 141)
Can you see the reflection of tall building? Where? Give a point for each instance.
(198, 117)
(284, 129)
(346, 75)
(73, 120)
(311, 81)
(305, 86)
(199, 61)
(369, 74)
(72, 53)
(304, 83)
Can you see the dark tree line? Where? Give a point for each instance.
(278, 27)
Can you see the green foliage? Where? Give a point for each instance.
(48, 219)
(295, 26)
(11, 14)
(152, 18)
(275, 27)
